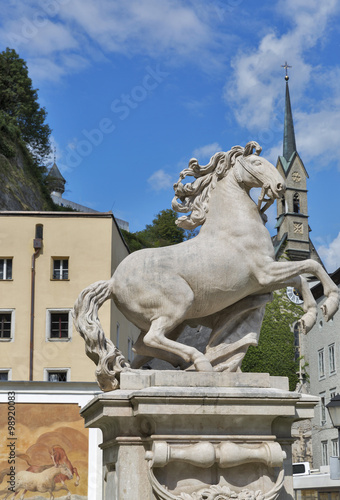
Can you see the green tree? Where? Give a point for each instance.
(275, 353)
(134, 241)
(19, 104)
(163, 231)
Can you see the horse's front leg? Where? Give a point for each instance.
(276, 275)
(309, 305)
(23, 494)
(62, 486)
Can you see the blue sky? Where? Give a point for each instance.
(135, 89)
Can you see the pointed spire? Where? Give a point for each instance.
(55, 180)
(289, 145)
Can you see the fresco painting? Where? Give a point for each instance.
(47, 436)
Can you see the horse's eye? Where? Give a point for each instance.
(257, 162)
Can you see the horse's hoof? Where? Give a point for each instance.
(203, 365)
(302, 326)
(330, 307)
(307, 322)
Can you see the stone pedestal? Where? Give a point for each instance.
(170, 435)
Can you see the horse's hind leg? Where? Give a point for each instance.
(146, 353)
(156, 338)
(175, 361)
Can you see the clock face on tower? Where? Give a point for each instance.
(294, 295)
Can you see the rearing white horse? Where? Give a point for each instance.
(229, 262)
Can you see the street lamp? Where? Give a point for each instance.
(333, 408)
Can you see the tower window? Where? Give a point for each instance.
(283, 204)
(296, 203)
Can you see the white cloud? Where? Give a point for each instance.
(160, 180)
(139, 24)
(48, 69)
(205, 152)
(273, 153)
(173, 29)
(330, 254)
(255, 87)
(317, 137)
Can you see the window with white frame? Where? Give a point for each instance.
(321, 363)
(332, 393)
(324, 449)
(335, 447)
(331, 355)
(4, 375)
(58, 324)
(6, 265)
(60, 268)
(57, 374)
(323, 408)
(130, 351)
(6, 324)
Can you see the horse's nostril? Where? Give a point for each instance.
(279, 186)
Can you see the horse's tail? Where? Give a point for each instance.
(109, 360)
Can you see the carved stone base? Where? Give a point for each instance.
(170, 435)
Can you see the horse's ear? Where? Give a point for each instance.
(248, 149)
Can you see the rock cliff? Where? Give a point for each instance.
(21, 181)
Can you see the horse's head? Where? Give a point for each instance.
(63, 469)
(253, 171)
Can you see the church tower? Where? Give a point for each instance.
(292, 211)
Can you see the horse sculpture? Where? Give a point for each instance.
(222, 278)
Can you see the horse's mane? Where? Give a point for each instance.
(194, 197)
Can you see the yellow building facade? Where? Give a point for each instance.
(46, 260)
